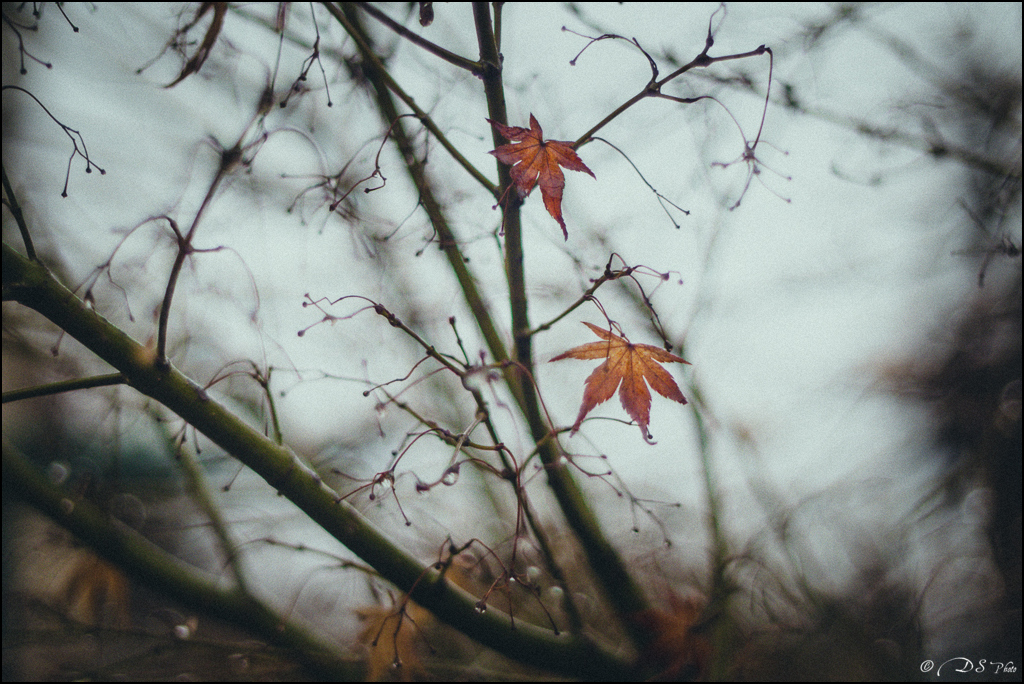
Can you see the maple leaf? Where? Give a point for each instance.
(675, 649)
(534, 159)
(631, 365)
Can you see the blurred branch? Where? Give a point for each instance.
(64, 386)
(417, 172)
(30, 284)
(936, 147)
(19, 216)
(199, 490)
(432, 48)
(158, 569)
(363, 42)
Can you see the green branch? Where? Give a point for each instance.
(624, 593)
(382, 87)
(522, 392)
(30, 284)
(64, 386)
(363, 42)
(161, 571)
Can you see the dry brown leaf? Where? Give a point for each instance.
(534, 159)
(675, 649)
(391, 637)
(627, 364)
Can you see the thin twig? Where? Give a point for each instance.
(432, 48)
(19, 216)
(64, 386)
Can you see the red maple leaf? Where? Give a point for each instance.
(631, 365)
(533, 159)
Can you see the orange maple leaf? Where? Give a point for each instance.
(629, 364)
(533, 159)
